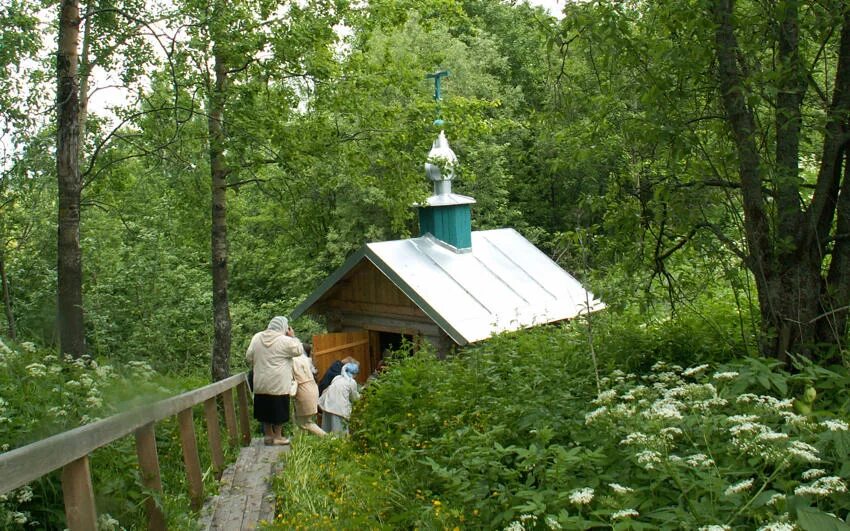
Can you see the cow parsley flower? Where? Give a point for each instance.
(834, 425)
(29, 346)
(635, 438)
(822, 487)
(581, 496)
(24, 494)
(804, 451)
(620, 489)
(625, 513)
(693, 371)
(739, 487)
(552, 522)
(777, 526)
(514, 526)
(773, 500)
(813, 473)
(37, 370)
(606, 397)
(699, 461)
(648, 459)
(715, 527)
(589, 418)
(726, 375)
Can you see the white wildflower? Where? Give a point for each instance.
(776, 498)
(834, 425)
(73, 384)
(659, 366)
(86, 380)
(620, 489)
(665, 409)
(813, 473)
(4, 447)
(94, 401)
(515, 526)
(606, 397)
(552, 522)
(772, 436)
(693, 371)
(725, 375)
(24, 494)
(37, 369)
(715, 527)
(625, 513)
(699, 461)
(739, 487)
(748, 427)
(778, 526)
(793, 418)
(671, 433)
(106, 522)
(528, 518)
(595, 414)
(741, 419)
(581, 496)
(648, 458)
(804, 451)
(673, 458)
(58, 411)
(19, 518)
(822, 487)
(29, 346)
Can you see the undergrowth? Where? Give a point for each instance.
(513, 434)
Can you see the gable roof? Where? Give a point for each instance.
(505, 283)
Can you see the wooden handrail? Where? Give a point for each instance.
(28, 463)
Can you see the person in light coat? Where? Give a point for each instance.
(338, 398)
(306, 392)
(270, 355)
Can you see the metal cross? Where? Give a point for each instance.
(436, 76)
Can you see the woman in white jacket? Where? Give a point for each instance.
(337, 399)
(270, 355)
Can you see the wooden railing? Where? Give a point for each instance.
(70, 450)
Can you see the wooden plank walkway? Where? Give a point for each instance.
(245, 497)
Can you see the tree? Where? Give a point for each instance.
(741, 115)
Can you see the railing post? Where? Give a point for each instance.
(190, 458)
(244, 422)
(214, 436)
(80, 512)
(149, 469)
(230, 417)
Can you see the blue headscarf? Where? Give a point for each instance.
(350, 370)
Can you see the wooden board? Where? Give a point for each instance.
(327, 348)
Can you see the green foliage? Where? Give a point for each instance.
(513, 434)
(41, 395)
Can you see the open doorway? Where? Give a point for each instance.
(389, 341)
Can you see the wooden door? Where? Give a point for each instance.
(327, 348)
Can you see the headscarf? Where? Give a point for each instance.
(350, 370)
(277, 327)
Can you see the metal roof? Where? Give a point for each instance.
(504, 284)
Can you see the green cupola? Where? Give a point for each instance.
(446, 216)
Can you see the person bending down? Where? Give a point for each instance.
(306, 392)
(338, 398)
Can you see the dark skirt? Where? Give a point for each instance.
(271, 409)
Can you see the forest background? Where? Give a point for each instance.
(685, 161)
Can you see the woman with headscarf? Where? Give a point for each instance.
(306, 392)
(270, 355)
(337, 399)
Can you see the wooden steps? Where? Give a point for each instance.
(245, 497)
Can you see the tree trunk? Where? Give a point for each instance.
(69, 263)
(219, 171)
(7, 301)
(801, 310)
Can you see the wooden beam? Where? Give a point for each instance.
(230, 418)
(28, 463)
(379, 309)
(386, 324)
(190, 458)
(214, 436)
(341, 347)
(149, 471)
(80, 511)
(244, 419)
